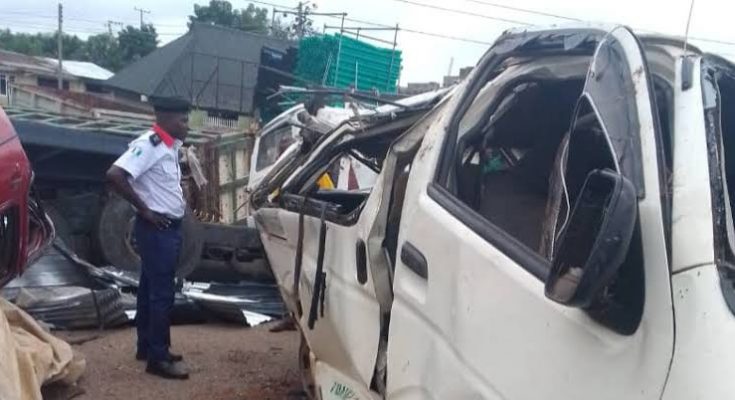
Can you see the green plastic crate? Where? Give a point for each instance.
(371, 66)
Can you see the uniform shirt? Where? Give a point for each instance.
(155, 174)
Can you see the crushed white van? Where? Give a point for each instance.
(560, 226)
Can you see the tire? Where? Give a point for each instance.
(116, 245)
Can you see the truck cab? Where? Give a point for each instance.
(559, 226)
(25, 230)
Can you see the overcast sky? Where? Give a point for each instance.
(426, 58)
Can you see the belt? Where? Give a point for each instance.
(174, 223)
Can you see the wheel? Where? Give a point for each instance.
(115, 241)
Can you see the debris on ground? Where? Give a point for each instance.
(66, 292)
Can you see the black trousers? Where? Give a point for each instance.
(159, 252)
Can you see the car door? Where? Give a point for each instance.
(469, 318)
(340, 323)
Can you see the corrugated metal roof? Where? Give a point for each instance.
(47, 66)
(22, 62)
(82, 69)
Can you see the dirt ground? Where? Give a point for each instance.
(227, 362)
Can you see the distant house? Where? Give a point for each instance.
(224, 71)
(32, 82)
(450, 80)
(414, 88)
(24, 70)
(91, 75)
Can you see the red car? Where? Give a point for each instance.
(25, 230)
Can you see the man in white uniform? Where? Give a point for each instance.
(148, 175)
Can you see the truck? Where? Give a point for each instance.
(559, 225)
(70, 154)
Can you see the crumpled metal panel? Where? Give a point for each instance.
(69, 293)
(72, 307)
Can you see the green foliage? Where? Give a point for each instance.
(254, 19)
(220, 12)
(108, 51)
(40, 44)
(104, 50)
(136, 43)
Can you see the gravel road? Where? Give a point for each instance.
(226, 362)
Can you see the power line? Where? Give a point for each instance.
(418, 32)
(524, 10)
(456, 11)
(438, 35)
(89, 21)
(271, 4)
(701, 39)
(142, 11)
(85, 30)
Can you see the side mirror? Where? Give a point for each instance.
(595, 241)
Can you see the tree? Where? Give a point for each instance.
(302, 24)
(255, 19)
(135, 43)
(104, 50)
(42, 44)
(220, 12)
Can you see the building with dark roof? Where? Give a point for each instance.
(218, 69)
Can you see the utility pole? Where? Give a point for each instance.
(141, 11)
(110, 23)
(60, 79)
(300, 20)
(339, 49)
(273, 22)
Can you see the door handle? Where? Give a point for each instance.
(361, 261)
(414, 260)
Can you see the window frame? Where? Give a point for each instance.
(526, 258)
(4, 78)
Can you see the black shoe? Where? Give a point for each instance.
(167, 370)
(171, 357)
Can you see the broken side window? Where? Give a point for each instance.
(345, 182)
(505, 156)
(522, 155)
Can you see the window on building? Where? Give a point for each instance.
(51, 83)
(9, 239)
(3, 85)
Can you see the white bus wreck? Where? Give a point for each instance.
(558, 225)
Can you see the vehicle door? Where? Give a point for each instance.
(317, 253)
(470, 318)
(14, 180)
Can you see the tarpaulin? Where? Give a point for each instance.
(31, 356)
